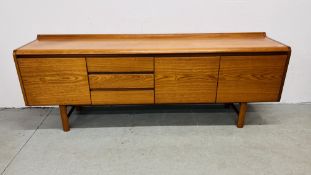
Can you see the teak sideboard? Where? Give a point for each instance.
(125, 69)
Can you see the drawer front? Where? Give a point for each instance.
(186, 79)
(54, 81)
(251, 78)
(101, 81)
(122, 64)
(122, 97)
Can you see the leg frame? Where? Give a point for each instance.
(241, 116)
(240, 112)
(65, 116)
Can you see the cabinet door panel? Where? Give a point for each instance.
(186, 79)
(251, 78)
(54, 81)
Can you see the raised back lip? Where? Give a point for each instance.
(152, 36)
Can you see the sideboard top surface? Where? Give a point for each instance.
(151, 44)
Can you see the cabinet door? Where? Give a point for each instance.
(54, 81)
(251, 78)
(186, 79)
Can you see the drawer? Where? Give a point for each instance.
(120, 64)
(122, 97)
(100, 81)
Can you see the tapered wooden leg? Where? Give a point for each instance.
(241, 117)
(64, 117)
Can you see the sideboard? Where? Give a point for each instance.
(126, 69)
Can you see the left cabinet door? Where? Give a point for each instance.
(54, 81)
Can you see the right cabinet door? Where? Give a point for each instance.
(251, 78)
(186, 79)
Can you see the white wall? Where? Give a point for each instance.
(285, 20)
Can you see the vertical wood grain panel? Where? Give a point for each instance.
(186, 79)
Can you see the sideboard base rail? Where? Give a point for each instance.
(239, 123)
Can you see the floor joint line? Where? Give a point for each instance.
(21, 148)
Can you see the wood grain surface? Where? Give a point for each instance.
(54, 81)
(151, 44)
(186, 79)
(64, 117)
(250, 78)
(99, 81)
(20, 79)
(120, 64)
(123, 69)
(241, 116)
(104, 97)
